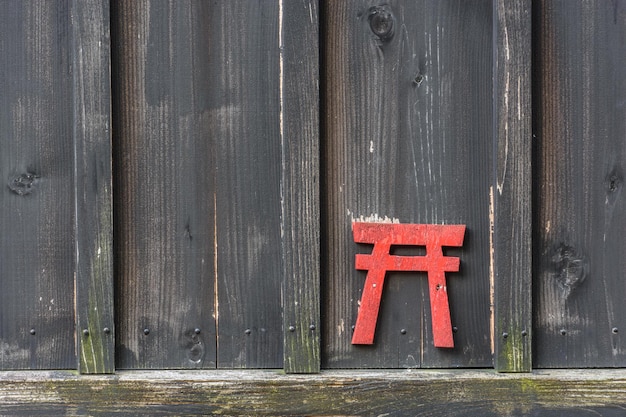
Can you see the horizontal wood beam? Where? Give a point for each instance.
(403, 392)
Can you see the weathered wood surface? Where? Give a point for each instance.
(164, 160)
(245, 86)
(300, 133)
(408, 135)
(94, 194)
(37, 251)
(580, 90)
(236, 393)
(198, 173)
(511, 189)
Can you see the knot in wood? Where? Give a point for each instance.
(614, 180)
(23, 184)
(381, 22)
(570, 267)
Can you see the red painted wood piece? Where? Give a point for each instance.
(385, 235)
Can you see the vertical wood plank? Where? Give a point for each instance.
(300, 184)
(93, 186)
(407, 131)
(199, 156)
(581, 159)
(36, 194)
(164, 113)
(245, 80)
(511, 191)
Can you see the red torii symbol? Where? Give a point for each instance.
(383, 236)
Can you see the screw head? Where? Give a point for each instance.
(196, 330)
(146, 331)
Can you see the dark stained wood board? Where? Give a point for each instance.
(300, 181)
(94, 194)
(580, 102)
(512, 190)
(198, 160)
(37, 251)
(164, 160)
(245, 77)
(407, 136)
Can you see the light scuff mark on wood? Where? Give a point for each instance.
(492, 279)
(372, 218)
(216, 277)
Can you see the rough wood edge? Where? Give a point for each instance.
(299, 71)
(512, 216)
(93, 189)
(428, 393)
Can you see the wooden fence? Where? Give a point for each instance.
(182, 178)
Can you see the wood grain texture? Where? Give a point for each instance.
(236, 393)
(300, 184)
(164, 159)
(93, 183)
(245, 84)
(512, 221)
(407, 128)
(579, 179)
(37, 194)
(198, 159)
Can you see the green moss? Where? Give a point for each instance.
(514, 354)
(94, 348)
